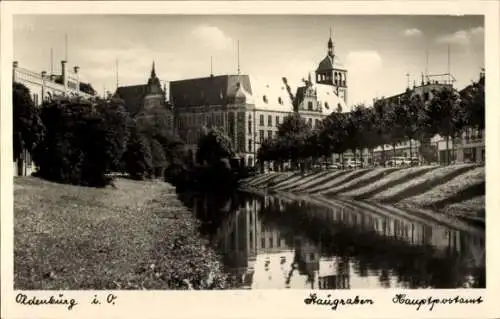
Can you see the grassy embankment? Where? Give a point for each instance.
(138, 236)
(454, 190)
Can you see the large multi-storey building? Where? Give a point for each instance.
(469, 147)
(249, 110)
(43, 87)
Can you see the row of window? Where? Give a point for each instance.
(269, 120)
(266, 100)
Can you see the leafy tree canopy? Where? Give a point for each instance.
(27, 126)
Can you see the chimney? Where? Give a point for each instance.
(64, 74)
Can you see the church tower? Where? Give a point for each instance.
(154, 92)
(331, 72)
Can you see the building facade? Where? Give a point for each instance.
(43, 87)
(250, 109)
(469, 147)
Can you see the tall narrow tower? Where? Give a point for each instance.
(331, 72)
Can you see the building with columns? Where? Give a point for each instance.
(43, 87)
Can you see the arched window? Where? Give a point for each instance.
(264, 98)
(327, 106)
(280, 100)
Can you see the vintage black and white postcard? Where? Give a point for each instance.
(249, 159)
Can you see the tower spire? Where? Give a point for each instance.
(330, 44)
(66, 47)
(211, 67)
(153, 71)
(238, 57)
(117, 83)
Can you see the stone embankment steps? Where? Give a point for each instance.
(294, 178)
(316, 182)
(390, 180)
(290, 183)
(336, 181)
(361, 181)
(466, 208)
(429, 187)
(421, 183)
(462, 187)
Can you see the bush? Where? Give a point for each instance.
(82, 142)
(137, 159)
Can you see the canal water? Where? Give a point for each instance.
(273, 242)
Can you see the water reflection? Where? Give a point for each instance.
(271, 242)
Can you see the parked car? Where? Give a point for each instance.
(353, 164)
(414, 161)
(406, 161)
(333, 166)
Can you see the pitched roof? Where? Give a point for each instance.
(329, 63)
(132, 96)
(214, 90)
(271, 94)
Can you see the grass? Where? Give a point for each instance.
(468, 208)
(138, 236)
(459, 185)
(422, 183)
(305, 180)
(319, 181)
(325, 187)
(392, 179)
(361, 181)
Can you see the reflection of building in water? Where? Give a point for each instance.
(411, 229)
(333, 273)
(243, 236)
(322, 272)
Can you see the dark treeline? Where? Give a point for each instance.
(409, 117)
(82, 142)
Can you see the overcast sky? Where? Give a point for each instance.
(377, 50)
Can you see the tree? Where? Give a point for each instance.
(396, 134)
(410, 117)
(137, 159)
(292, 137)
(158, 158)
(382, 124)
(332, 136)
(213, 146)
(83, 141)
(473, 102)
(27, 126)
(446, 116)
(360, 127)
